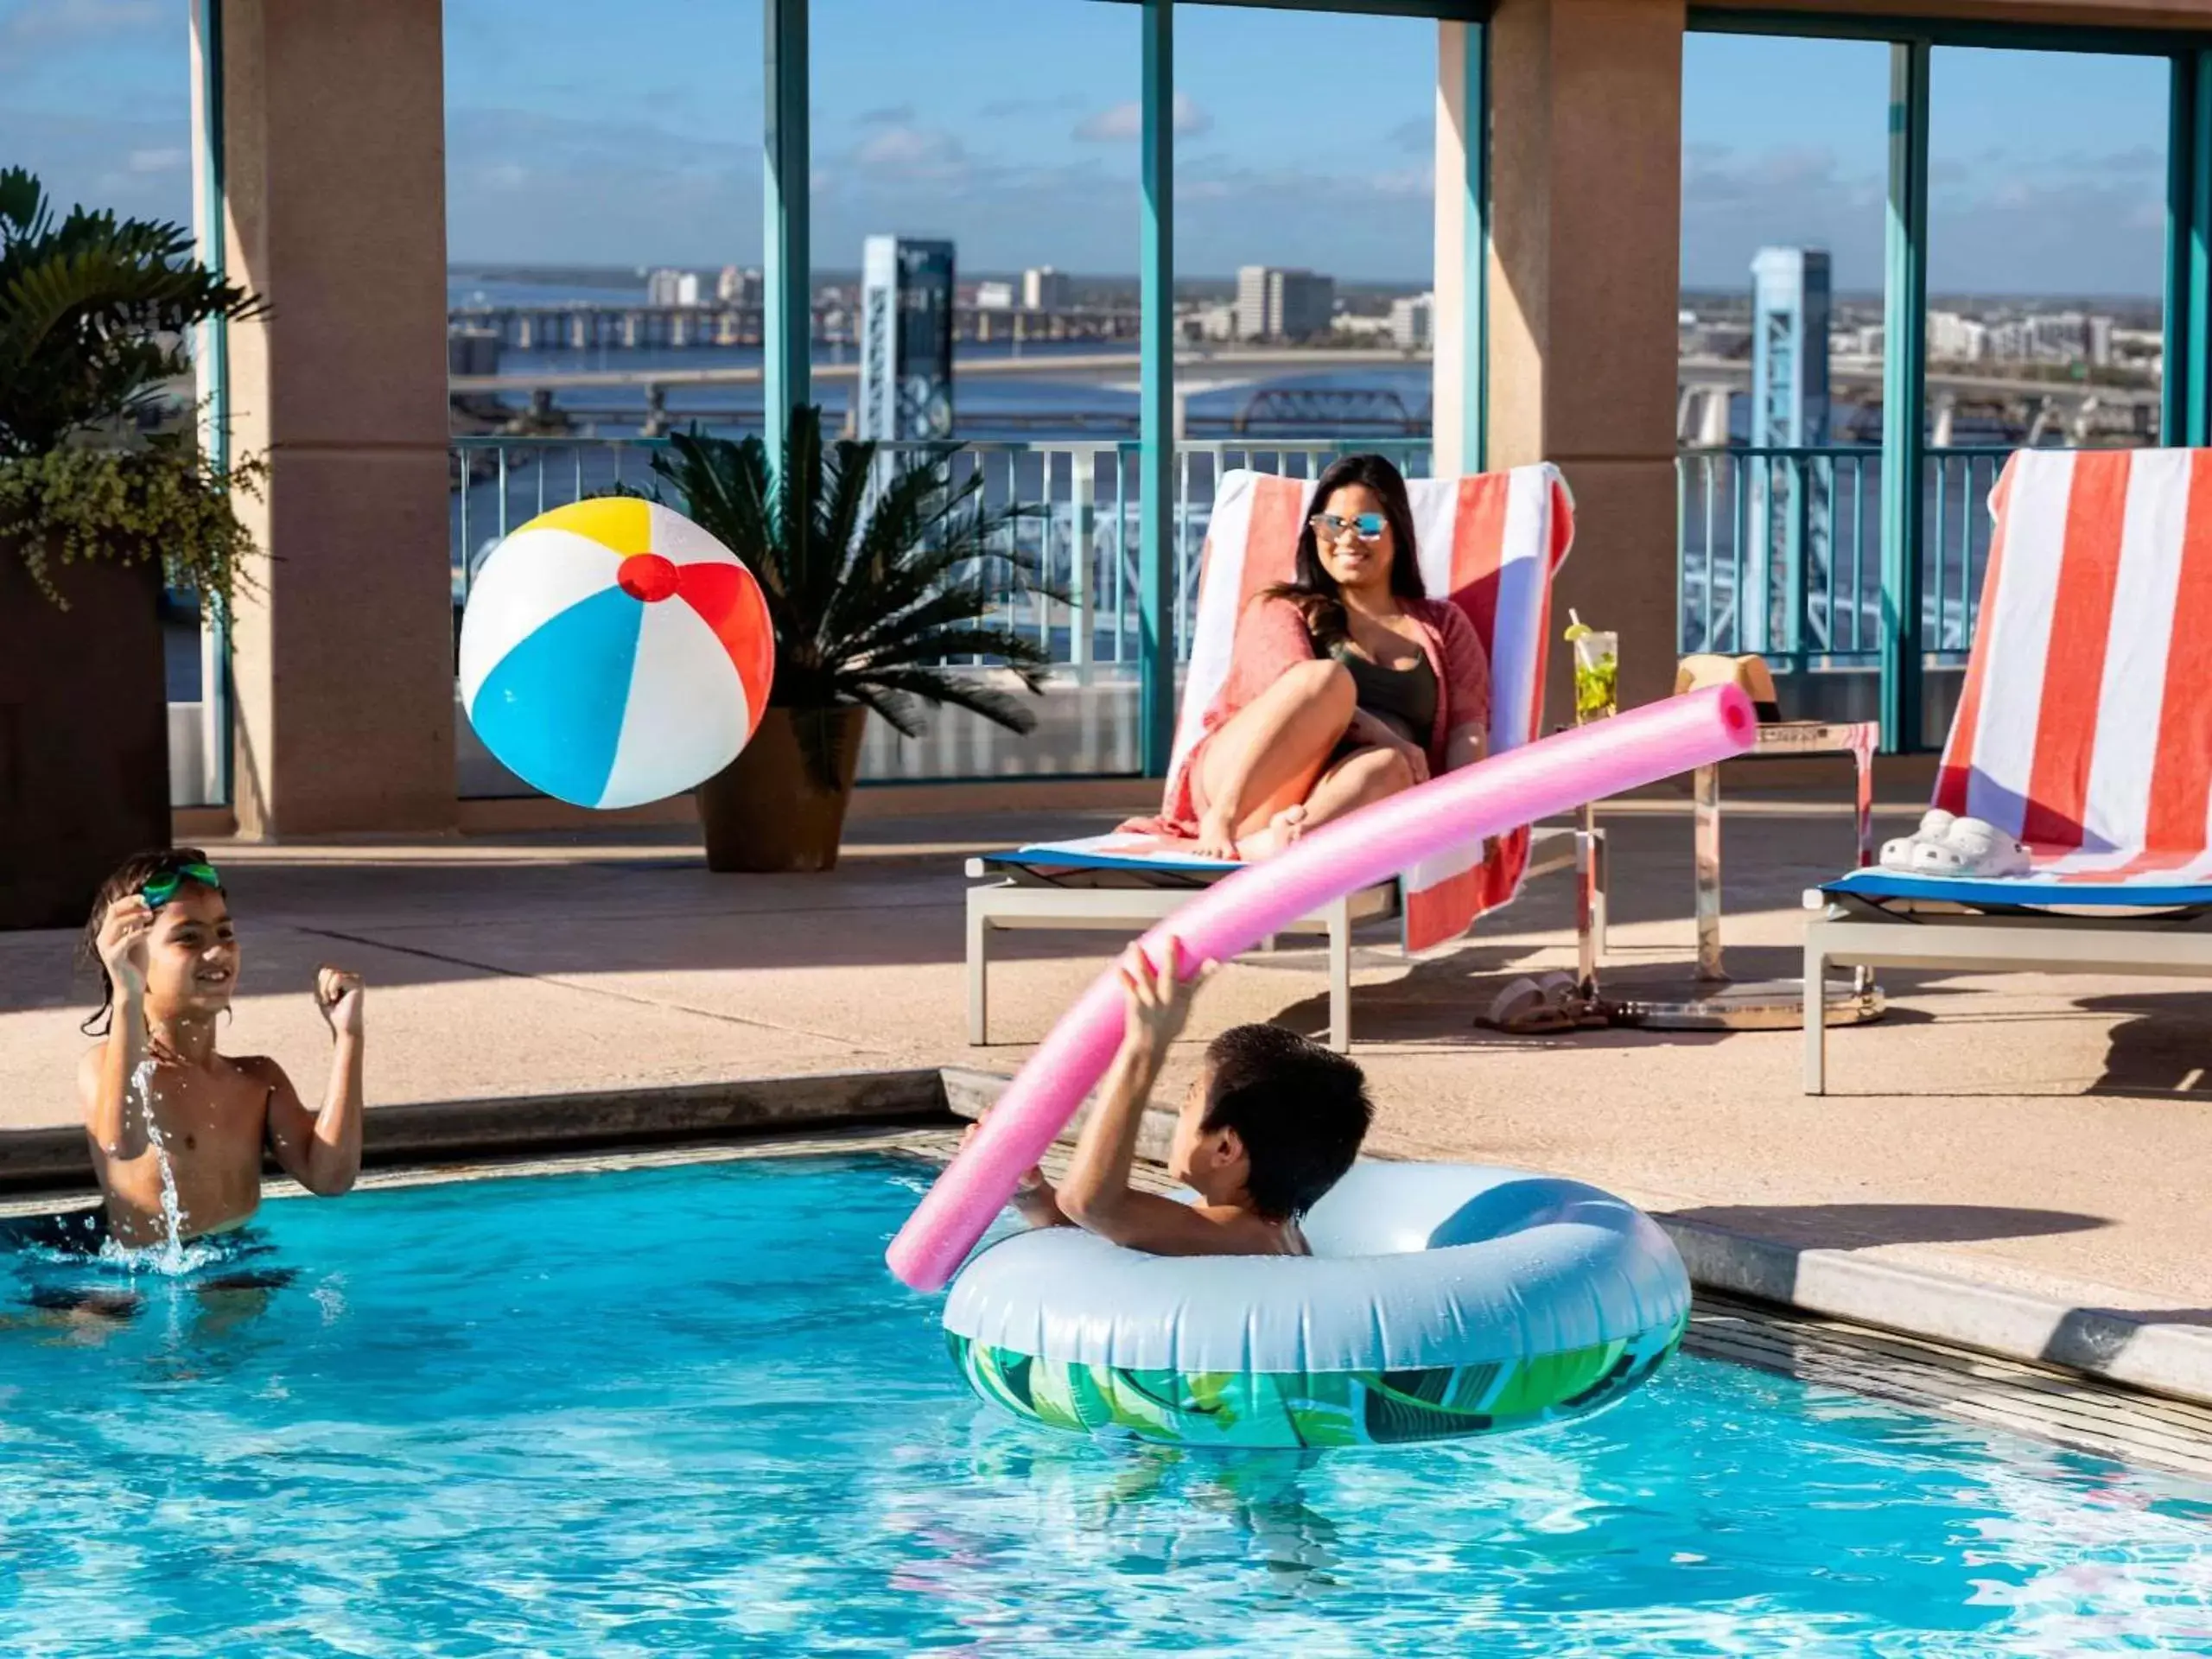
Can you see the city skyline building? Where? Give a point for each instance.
(1276, 303)
(1412, 320)
(1043, 288)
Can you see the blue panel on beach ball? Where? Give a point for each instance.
(552, 709)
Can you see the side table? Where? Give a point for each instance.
(1712, 1002)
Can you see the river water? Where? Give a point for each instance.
(1356, 400)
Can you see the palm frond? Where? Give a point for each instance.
(938, 685)
(94, 313)
(878, 572)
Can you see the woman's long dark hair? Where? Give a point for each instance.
(1312, 589)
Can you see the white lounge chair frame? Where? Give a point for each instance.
(1014, 901)
(1854, 932)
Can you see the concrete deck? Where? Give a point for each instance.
(2040, 1135)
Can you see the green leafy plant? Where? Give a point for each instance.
(877, 575)
(95, 315)
(162, 504)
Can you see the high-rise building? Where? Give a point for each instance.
(2048, 337)
(905, 366)
(736, 287)
(1043, 288)
(1273, 303)
(662, 286)
(1412, 320)
(995, 296)
(1789, 410)
(1954, 338)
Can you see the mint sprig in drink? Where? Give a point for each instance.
(1597, 671)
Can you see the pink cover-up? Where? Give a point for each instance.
(1488, 545)
(1272, 637)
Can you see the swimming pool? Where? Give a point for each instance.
(686, 1410)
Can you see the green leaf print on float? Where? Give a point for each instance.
(1314, 1409)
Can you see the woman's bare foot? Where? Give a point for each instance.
(1216, 839)
(1284, 829)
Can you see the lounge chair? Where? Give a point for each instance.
(2084, 729)
(1493, 542)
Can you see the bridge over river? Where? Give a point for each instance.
(2031, 408)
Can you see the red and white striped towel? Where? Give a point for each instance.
(1492, 542)
(2085, 724)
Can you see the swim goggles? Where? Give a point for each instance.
(160, 889)
(1367, 527)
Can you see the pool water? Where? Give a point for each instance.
(686, 1410)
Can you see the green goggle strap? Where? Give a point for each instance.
(163, 888)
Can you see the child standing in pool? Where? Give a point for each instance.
(154, 1087)
(1272, 1121)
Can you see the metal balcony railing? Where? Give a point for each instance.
(1779, 552)
(1082, 539)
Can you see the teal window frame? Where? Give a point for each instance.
(1156, 619)
(215, 373)
(2186, 412)
(786, 323)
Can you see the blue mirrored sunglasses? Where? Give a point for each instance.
(161, 888)
(1330, 527)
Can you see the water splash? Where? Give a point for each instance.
(171, 1257)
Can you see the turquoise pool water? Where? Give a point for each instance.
(685, 1411)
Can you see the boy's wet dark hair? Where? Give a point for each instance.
(1300, 1109)
(128, 877)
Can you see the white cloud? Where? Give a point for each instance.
(1124, 122)
(50, 20)
(165, 159)
(1419, 183)
(912, 152)
(2092, 225)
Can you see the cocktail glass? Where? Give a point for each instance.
(1597, 675)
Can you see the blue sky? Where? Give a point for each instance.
(1009, 124)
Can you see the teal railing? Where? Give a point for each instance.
(1779, 552)
(1082, 536)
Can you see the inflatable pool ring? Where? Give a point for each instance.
(612, 654)
(1441, 1300)
(1357, 850)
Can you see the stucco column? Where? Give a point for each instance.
(1584, 275)
(334, 123)
(1454, 314)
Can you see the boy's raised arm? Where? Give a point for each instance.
(1097, 1195)
(104, 1077)
(323, 1150)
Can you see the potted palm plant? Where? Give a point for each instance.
(97, 514)
(878, 574)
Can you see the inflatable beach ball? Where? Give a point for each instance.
(613, 652)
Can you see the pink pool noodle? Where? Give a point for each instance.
(1374, 844)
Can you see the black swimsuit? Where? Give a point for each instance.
(1404, 699)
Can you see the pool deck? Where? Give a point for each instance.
(2004, 1146)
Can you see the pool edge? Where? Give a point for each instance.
(2112, 1345)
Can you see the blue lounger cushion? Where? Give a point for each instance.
(2031, 892)
(1110, 852)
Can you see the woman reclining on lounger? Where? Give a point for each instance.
(1346, 684)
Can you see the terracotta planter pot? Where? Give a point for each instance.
(764, 812)
(84, 735)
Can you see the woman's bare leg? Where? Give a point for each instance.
(1268, 757)
(1348, 786)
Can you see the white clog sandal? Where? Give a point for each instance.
(1971, 848)
(1897, 854)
